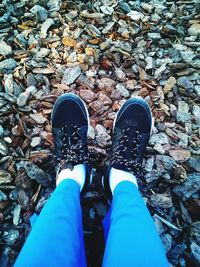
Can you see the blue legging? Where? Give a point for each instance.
(56, 239)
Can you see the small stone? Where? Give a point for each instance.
(185, 83)
(161, 201)
(88, 96)
(36, 141)
(180, 154)
(183, 112)
(5, 49)
(107, 10)
(196, 112)
(16, 214)
(45, 26)
(154, 36)
(160, 138)
(3, 196)
(71, 74)
(195, 251)
(123, 91)
(102, 137)
(104, 98)
(11, 236)
(120, 75)
(167, 242)
(169, 84)
(22, 99)
(7, 64)
(34, 172)
(68, 41)
(149, 164)
(179, 173)
(38, 118)
(194, 29)
(91, 133)
(106, 84)
(159, 148)
(149, 63)
(194, 163)
(5, 177)
(1, 131)
(3, 148)
(183, 143)
(188, 188)
(40, 11)
(135, 15)
(147, 7)
(124, 7)
(197, 90)
(164, 161)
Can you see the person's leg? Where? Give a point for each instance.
(57, 237)
(131, 236)
(130, 233)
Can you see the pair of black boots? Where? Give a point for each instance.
(131, 132)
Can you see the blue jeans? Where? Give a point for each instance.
(56, 239)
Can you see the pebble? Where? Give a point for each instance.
(123, 91)
(196, 112)
(102, 137)
(41, 12)
(154, 36)
(149, 63)
(167, 242)
(135, 15)
(45, 26)
(149, 164)
(7, 64)
(183, 112)
(160, 200)
(195, 251)
(169, 84)
(186, 84)
(71, 74)
(120, 75)
(1, 131)
(22, 99)
(5, 177)
(106, 84)
(197, 89)
(36, 141)
(3, 148)
(16, 214)
(159, 148)
(38, 118)
(194, 163)
(107, 10)
(3, 197)
(124, 7)
(159, 138)
(166, 161)
(180, 154)
(189, 187)
(194, 29)
(87, 95)
(11, 236)
(5, 49)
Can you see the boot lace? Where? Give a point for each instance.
(73, 150)
(125, 152)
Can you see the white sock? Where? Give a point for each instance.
(117, 176)
(78, 174)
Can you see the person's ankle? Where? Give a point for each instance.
(117, 176)
(78, 174)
